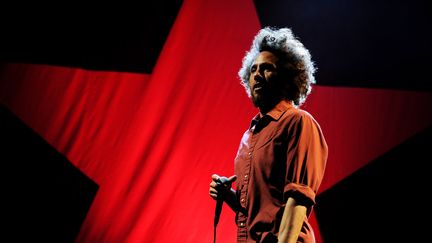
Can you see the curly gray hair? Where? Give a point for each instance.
(290, 50)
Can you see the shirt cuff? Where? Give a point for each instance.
(301, 193)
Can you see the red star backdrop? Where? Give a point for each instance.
(140, 105)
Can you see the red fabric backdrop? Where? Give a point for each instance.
(152, 141)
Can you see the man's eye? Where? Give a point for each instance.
(253, 69)
(269, 68)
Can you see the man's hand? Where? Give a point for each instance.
(220, 186)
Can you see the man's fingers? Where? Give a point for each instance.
(232, 179)
(213, 193)
(213, 190)
(218, 178)
(219, 185)
(213, 184)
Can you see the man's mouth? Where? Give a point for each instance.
(258, 87)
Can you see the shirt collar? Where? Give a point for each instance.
(279, 109)
(275, 113)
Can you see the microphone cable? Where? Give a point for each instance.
(219, 203)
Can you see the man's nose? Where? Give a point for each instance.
(258, 76)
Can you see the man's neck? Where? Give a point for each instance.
(265, 108)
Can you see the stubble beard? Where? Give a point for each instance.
(257, 99)
(267, 100)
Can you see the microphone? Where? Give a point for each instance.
(218, 211)
(223, 182)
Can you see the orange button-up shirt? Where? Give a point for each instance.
(283, 154)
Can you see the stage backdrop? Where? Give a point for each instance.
(151, 136)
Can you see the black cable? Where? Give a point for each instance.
(214, 234)
(221, 183)
(219, 204)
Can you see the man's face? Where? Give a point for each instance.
(263, 79)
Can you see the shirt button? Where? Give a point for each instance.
(250, 153)
(246, 176)
(242, 224)
(242, 200)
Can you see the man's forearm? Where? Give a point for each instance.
(292, 221)
(231, 200)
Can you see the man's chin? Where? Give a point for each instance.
(257, 101)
